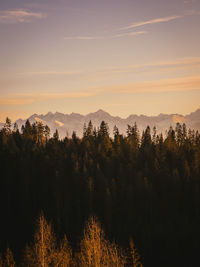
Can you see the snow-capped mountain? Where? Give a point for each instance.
(67, 123)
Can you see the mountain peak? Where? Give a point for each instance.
(32, 117)
(49, 113)
(58, 113)
(100, 111)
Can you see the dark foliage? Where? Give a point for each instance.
(146, 188)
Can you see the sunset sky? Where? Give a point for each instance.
(123, 56)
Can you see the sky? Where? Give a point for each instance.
(122, 56)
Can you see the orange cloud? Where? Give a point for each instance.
(64, 73)
(178, 63)
(16, 101)
(167, 85)
(156, 86)
(26, 99)
(95, 75)
(79, 94)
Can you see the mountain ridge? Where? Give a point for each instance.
(67, 123)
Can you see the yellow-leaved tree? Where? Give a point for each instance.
(135, 256)
(8, 260)
(44, 252)
(95, 250)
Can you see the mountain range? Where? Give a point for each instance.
(67, 123)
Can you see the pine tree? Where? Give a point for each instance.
(103, 130)
(40, 132)
(56, 135)
(46, 132)
(27, 129)
(7, 126)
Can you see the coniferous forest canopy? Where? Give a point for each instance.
(143, 187)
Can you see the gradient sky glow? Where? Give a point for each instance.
(123, 56)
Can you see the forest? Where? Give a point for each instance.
(142, 190)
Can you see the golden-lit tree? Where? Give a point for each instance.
(62, 257)
(135, 256)
(115, 256)
(92, 244)
(44, 251)
(28, 260)
(95, 250)
(44, 243)
(9, 259)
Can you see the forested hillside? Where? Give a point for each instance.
(141, 186)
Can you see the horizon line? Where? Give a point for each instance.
(101, 110)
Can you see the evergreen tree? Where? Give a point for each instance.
(56, 135)
(7, 126)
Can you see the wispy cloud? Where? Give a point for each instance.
(16, 101)
(86, 38)
(188, 63)
(19, 16)
(128, 34)
(179, 84)
(125, 34)
(182, 62)
(27, 99)
(166, 85)
(62, 95)
(51, 73)
(83, 38)
(152, 21)
(189, 1)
